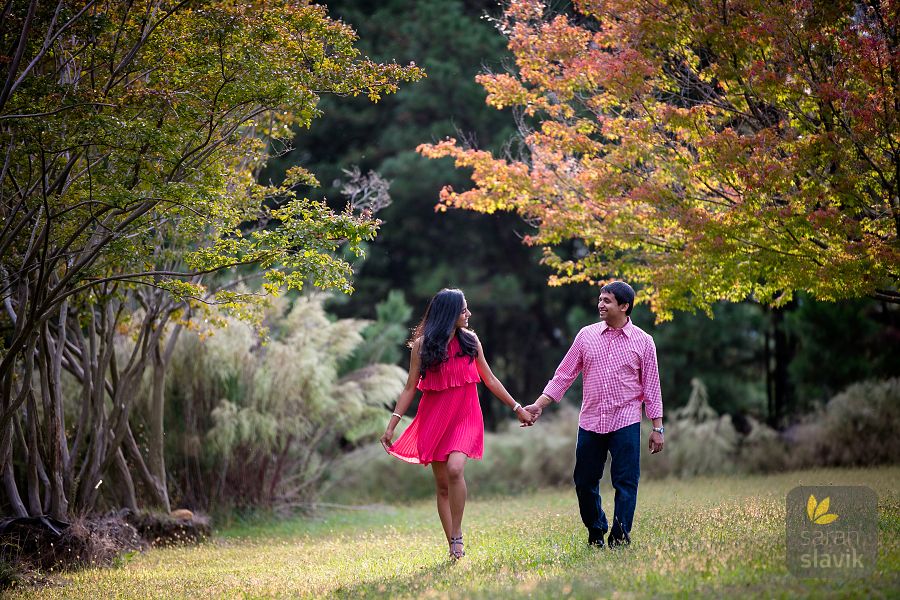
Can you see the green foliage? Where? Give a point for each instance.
(725, 351)
(839, 344)
(170, 172)
(383, 339)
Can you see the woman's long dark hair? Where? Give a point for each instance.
(437, 326)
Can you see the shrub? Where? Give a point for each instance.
(857, 427)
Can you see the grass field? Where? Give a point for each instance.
(714, 537)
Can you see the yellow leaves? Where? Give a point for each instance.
(504, 90)
(818, 511)
(298, 175)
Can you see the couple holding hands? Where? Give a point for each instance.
(617, 361)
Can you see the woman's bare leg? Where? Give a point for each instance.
(456, 464)
(442, 483)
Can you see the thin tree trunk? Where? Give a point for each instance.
(160, 360)
(259, 489)
(57, 506)
(126, 483)
(783, 355)
(60, 442)
(770, 388)
(32, 481)
(91, 471)
(140, 467)
(9, 477)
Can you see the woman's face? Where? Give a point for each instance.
(463, 319)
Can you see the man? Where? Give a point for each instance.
(618, 363)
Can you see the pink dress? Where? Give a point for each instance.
(449, 416)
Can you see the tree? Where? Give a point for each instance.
(706, 150)
(132, 135)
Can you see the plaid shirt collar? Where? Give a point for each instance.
(627, 329)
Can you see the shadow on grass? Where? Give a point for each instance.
(395, 586)
(478, 578)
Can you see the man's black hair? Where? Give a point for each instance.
(623, 293)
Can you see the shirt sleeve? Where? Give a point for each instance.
(567, 371)
(650, 382)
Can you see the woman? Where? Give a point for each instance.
(446, 363)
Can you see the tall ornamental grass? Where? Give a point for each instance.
(259, 422)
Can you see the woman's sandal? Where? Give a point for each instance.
(457, 541)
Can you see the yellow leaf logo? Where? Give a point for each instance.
(818, 511)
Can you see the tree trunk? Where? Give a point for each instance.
(58, 506)
(156, 459)
(782, 355)
(126, 483)
(145, 477)
(9, 478)
(32, 481)
(772, 419)
(156, 456)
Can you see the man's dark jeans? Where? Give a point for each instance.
(624, 447)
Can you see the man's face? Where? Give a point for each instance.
(610, 309)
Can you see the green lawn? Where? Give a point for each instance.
(715, 537)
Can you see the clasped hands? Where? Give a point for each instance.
(526, 417)
(656, 439)
(534, 410)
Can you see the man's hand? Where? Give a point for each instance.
(656, 442)
(535, 410)
(525, 417)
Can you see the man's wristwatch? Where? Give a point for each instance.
(660, 430)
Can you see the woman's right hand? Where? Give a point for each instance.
(386, 439)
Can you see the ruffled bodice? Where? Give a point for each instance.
(455, 372)
(449, 416)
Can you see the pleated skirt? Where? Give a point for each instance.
(447, 421)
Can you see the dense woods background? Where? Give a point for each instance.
(150, 214)
(771, 363)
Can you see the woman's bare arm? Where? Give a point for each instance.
(406, 396)
(496, 387)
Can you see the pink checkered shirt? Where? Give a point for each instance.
(620, 374)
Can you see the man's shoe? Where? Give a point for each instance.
(595, 537)
(614, 541)
(617, 535)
